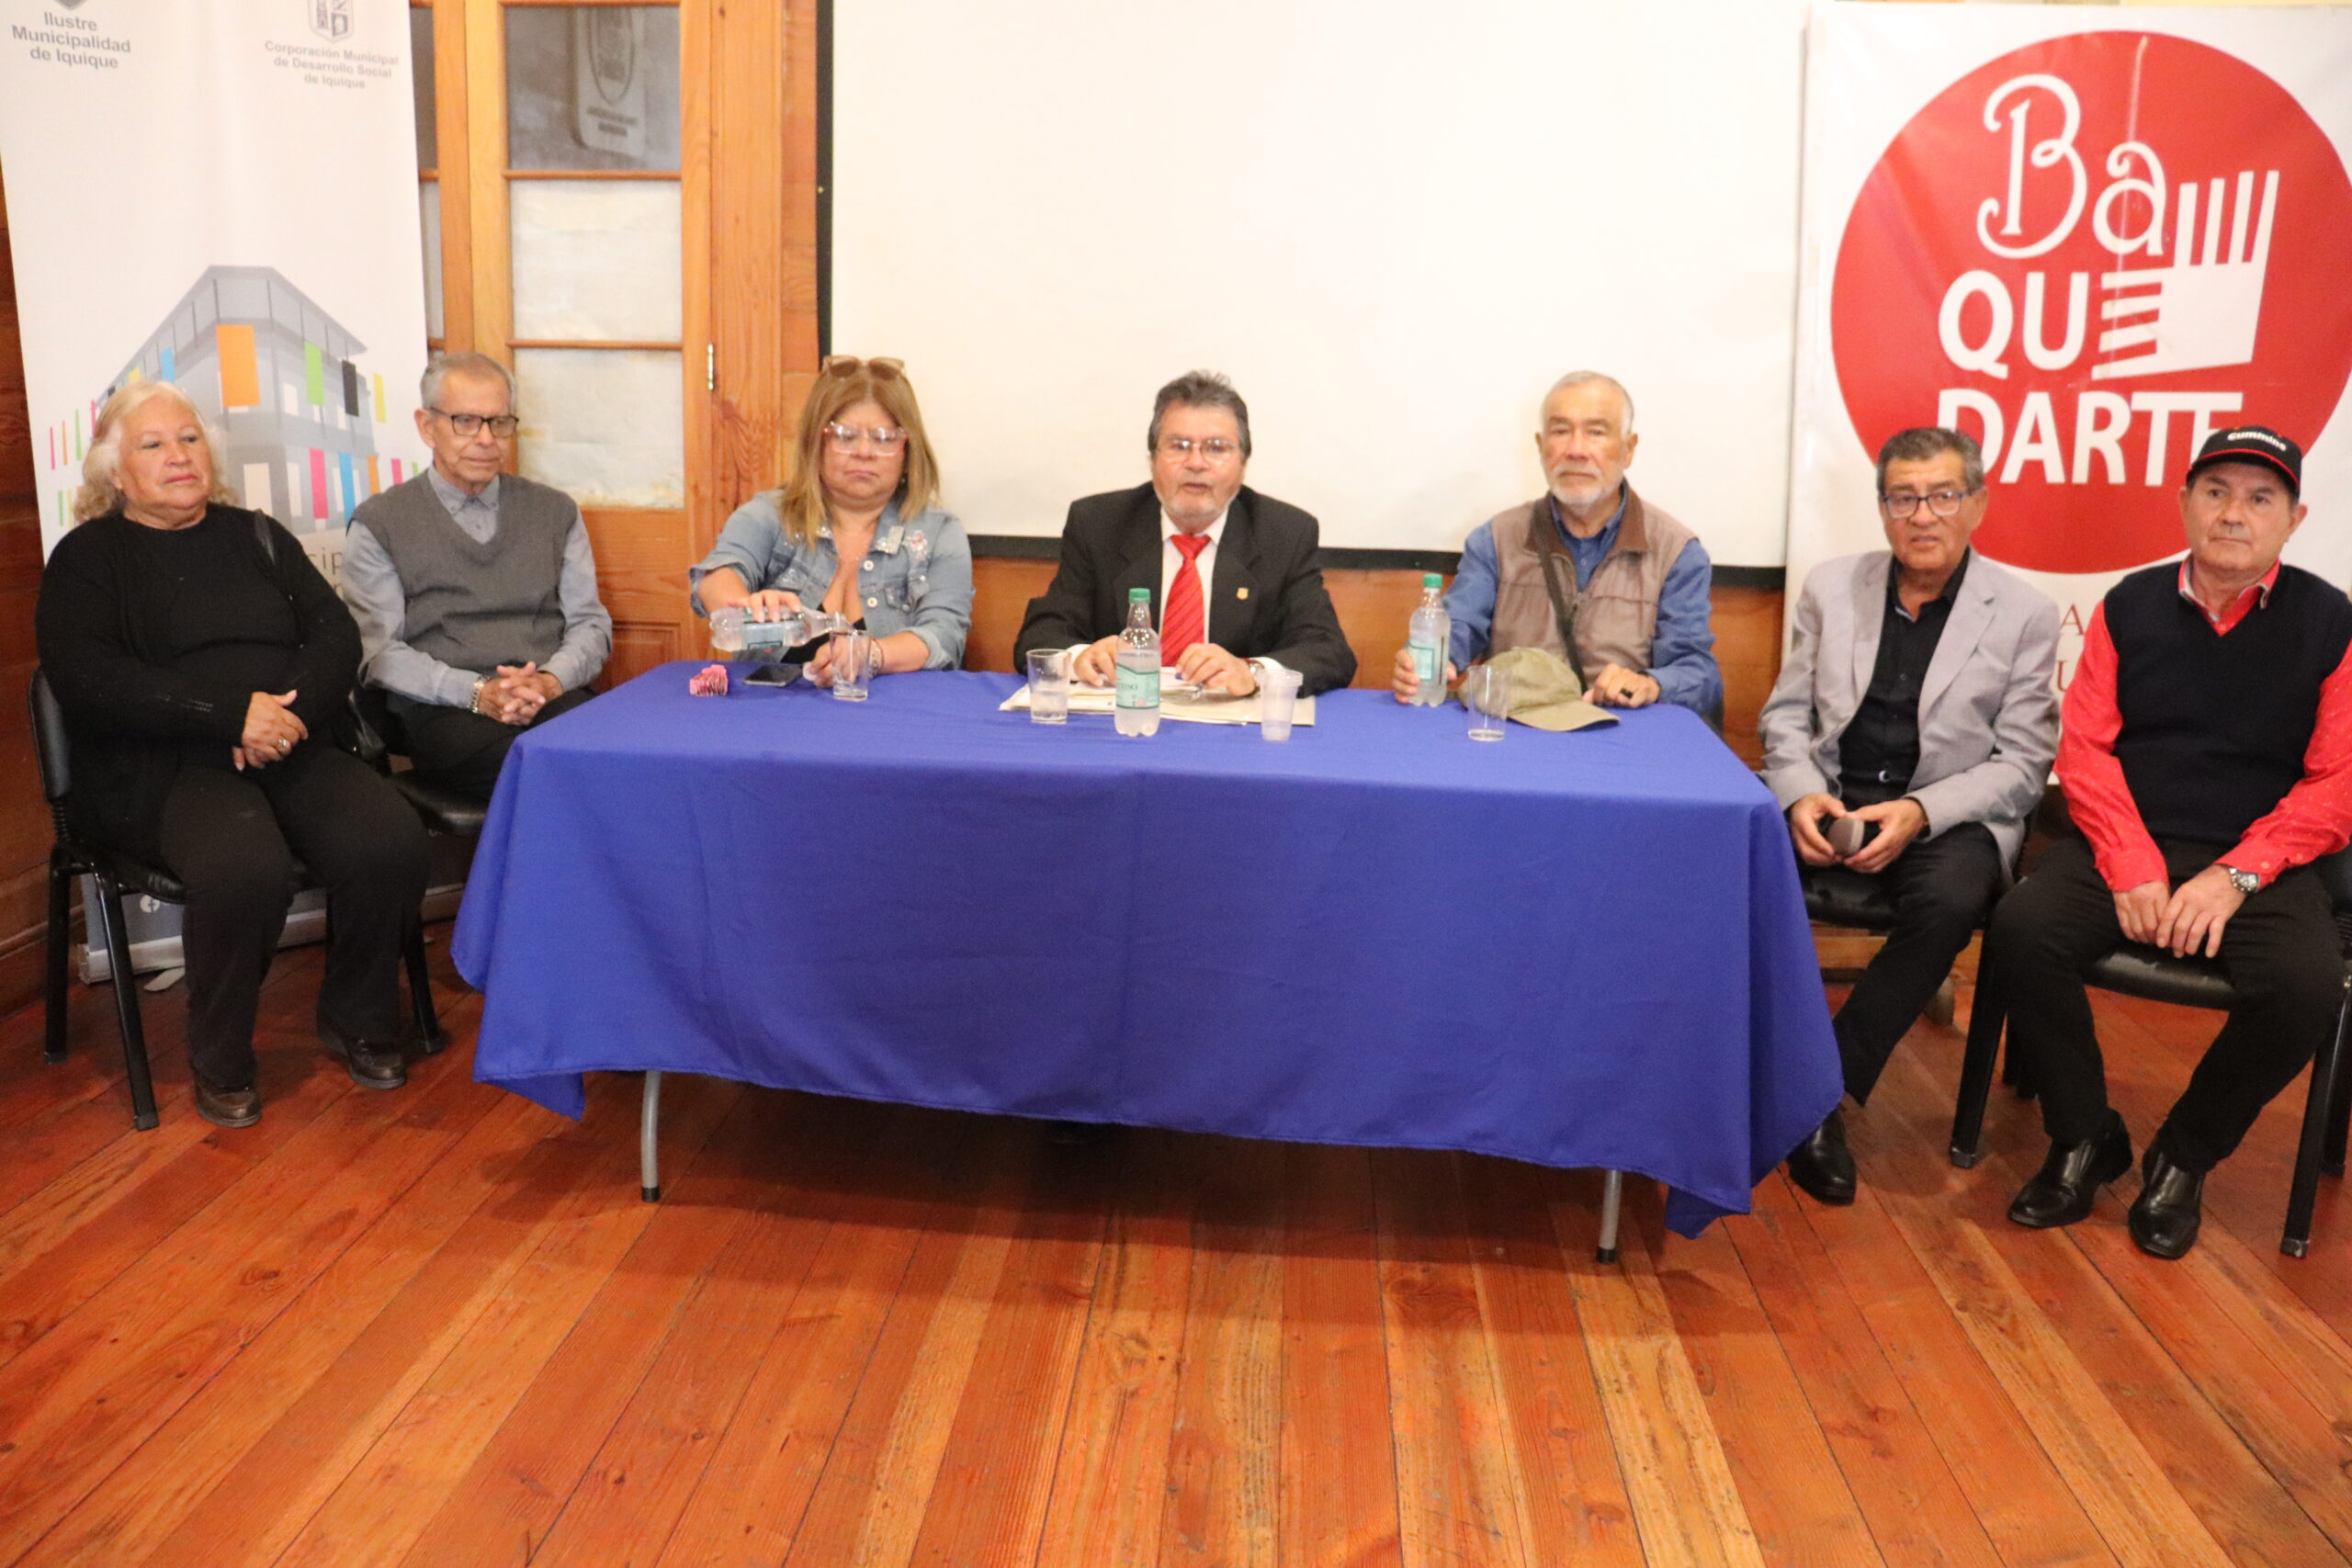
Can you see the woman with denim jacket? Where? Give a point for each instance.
(855, 530)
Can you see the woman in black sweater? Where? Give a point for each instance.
(200, 657)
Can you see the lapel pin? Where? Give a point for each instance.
(1242, 593)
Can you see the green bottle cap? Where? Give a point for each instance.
(1135, 593)
(1431, 579)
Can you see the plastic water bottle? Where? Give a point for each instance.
(733, 631)
(1138, 661)
(1431, 633)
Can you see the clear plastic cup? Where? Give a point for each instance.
(1277, 701)
(1485, 692)
(1048, 685)
(852, 665)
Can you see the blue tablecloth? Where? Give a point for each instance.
(1579, 950)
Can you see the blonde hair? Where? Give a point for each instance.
(102, 465)
(843, 383)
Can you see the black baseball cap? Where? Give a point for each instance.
(2252, 444)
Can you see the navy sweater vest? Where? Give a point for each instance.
(2215, 727)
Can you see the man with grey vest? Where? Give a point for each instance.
(475, 589)
(1589, 570)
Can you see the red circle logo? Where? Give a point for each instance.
(2089, 255)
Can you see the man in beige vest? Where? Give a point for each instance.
(1589, 570)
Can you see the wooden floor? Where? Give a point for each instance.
(437, 1326)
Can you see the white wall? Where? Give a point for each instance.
(1394, 225)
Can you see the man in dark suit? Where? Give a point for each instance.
(1234, 575)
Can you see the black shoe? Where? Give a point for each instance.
(372, 1066)
(1080, 1134)
(1822, 1165)
(227, 1107)
(2068, 1182)
(2165, 1215)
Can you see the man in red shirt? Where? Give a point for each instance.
(2207, 759)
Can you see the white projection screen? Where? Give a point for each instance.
(1393, 224)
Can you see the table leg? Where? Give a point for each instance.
(1612, 1188)
(649, 1159)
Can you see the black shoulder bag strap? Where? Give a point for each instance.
(348, 728)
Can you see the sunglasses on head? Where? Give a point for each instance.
(842, 365)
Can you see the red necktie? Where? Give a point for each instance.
(1181, 626)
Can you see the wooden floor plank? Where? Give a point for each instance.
(1883, 1443)
(158, 1495)
(438, 1325)
(395, 1488)
(509, 1198)
(1571, 1500)
(1110, 1476)
(987, 1509)
(869, 1503)
(1458, 1486)
(2143, 1521)
(1791, 1493)
(65, 1243)
(1224, 1446)
(1338, 1502)
(1687, 1506)
(75, 1407)
(508, 1500)
(645, 1476)
(754, 1495)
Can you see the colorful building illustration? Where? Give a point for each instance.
(282, 380)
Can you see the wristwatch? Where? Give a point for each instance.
(2247, 882)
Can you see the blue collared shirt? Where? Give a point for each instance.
(916, 578)
(1682, 647)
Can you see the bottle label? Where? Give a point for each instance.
(1425, 665)
(1139, 688)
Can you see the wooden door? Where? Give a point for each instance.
(619, 201)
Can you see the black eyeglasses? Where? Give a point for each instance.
(1902, 505)
(502, 425)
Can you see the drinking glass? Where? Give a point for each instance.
(1277, 702)
(852, 665)
(1048, 685)
(1485, 692)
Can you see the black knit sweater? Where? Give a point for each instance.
(131, 635)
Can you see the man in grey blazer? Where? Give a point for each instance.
(1908, 739)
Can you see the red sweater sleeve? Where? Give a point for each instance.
(2096, 794)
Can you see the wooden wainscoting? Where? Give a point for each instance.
(23, 817)
(1374, 607)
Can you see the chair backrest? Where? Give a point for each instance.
(2335, 875)
(50, 744)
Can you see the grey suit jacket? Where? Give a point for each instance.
(1988, 714)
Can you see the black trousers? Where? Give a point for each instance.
(2279, 950)
(460, 748)
(1942, 887)
(234, 839)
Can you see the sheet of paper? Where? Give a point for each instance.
(1188, 705)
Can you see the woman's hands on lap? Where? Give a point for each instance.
(271, 732)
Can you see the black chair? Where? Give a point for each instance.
(2154, 974)
(441, 809)
(71, 855)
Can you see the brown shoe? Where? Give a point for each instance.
(372, 1066)
(227, 1107)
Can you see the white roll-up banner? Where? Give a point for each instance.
(223, 196)
(2088, 239)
